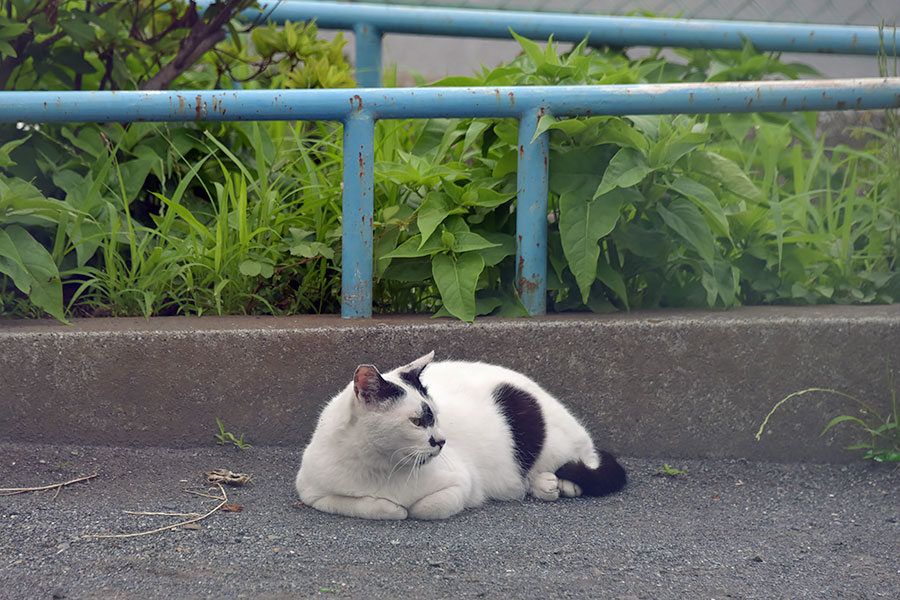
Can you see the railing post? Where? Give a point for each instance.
(358, 202)
(368, 55)
(531, 214)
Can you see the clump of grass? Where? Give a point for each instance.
(883, 430)
(671, 472)
(226, 437)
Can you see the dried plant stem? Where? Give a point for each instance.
(160, 514)
(43, 488)
(223, 498)
(202, 495)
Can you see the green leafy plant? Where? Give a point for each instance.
(226, 437)
(883, 430)
(24, 260)
(645, 211)
(672, 472)
(79, 44)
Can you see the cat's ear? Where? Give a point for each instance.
(420, 363)
(371, 388)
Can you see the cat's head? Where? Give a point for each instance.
(395, 415)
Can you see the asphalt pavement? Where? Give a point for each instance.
(724, 529)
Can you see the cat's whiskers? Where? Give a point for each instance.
(411, 455)
(414, 469)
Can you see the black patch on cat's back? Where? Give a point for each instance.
(526, 422)
(412, 378)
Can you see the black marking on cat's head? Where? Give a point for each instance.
(373, 389)
(412, 378)
(526, 423)
(427, 416)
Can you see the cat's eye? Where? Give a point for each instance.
(417, 421)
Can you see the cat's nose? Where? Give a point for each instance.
(436, 443)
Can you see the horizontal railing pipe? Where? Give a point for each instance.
(370, 21)
(598, 29)
(422, 103)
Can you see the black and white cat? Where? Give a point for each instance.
(430, 439)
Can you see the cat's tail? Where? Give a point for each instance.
(608, 478)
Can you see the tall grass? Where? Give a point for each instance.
(262, 242)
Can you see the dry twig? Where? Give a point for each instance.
(160, 514)
(43, 488)
(223, 498)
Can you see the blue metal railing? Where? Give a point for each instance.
(370, 21)
(358, 109)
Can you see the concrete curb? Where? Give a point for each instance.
(689, 384)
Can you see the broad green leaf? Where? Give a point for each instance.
(73, 59)
(578, 170)
(486, 197)
(89, 140)
(627, 168)
(483, 306)
(134, 174)
(506, 164)
(648, 125)
(433, 210)
(10, 29)
(251, 268)
(456, 278)
(582, 223)
(613, 280)
(547, 122)
(414, 270)
(414, 248)
(682, 145)
(531, 49)
(731, 176)
(466, 241)
(575, 127)
(32, 270)
(21, 202)
(687, 221)
(721, 282)
(618, 131)
(80, 32)
(385, 242)
(503, 245)
(476, 128)
(308, 249)
(8, 147)
(448, 240)
(666, 154)
(706, 201)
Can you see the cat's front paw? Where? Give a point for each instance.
(545, 486)
(385, 509)
(439, 505)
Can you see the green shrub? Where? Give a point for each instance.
(649, 211)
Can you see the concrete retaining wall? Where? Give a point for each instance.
(651, 384)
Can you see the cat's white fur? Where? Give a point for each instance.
(371, 461)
